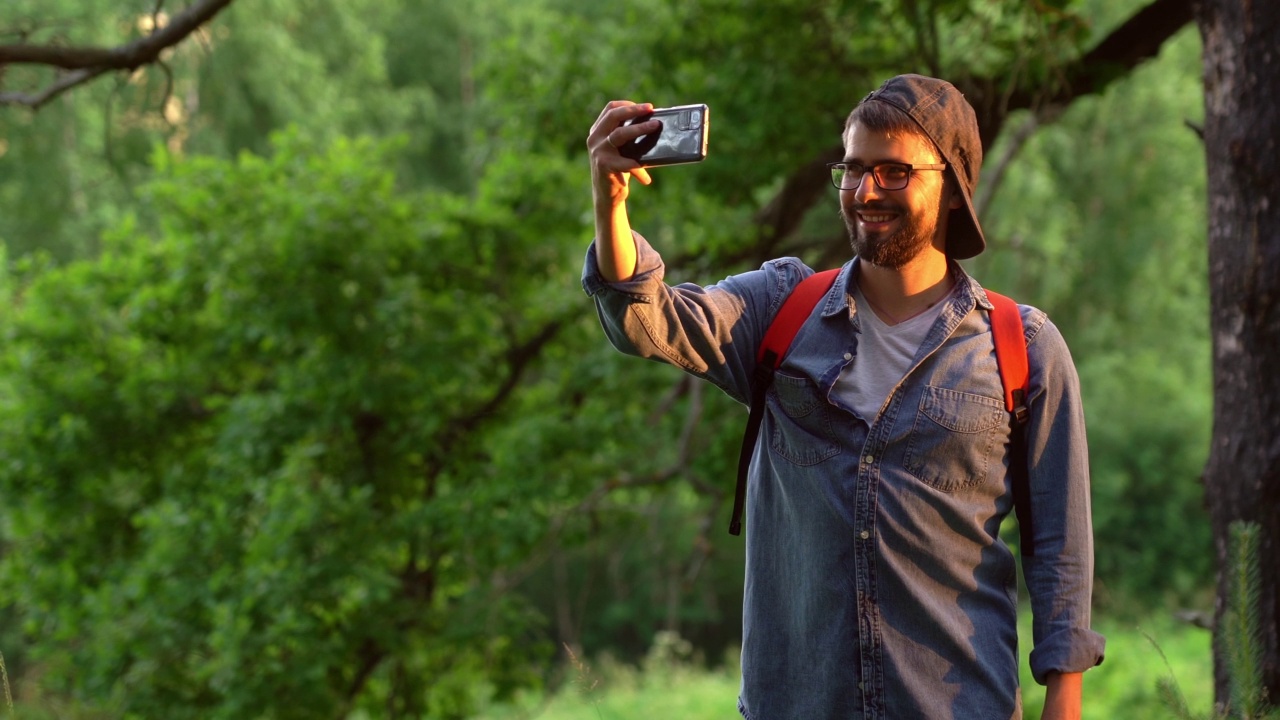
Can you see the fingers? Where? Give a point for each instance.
(618, 112)
(611, 132)
(610, 171)
(614, 104)
(621, 136)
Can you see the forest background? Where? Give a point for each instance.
(303, 412)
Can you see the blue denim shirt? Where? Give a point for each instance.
(877, 585)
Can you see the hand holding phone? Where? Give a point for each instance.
(682, 137)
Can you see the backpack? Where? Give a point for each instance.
(1011, 358)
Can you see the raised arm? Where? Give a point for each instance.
(611, 174)
(710, 331)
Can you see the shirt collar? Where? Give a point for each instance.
(840, 297)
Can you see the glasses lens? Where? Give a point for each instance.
(891, 176)
(888, 176)
(846, 177)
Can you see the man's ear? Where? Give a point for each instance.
(951, 192)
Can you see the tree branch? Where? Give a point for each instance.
(1136, 40)
(519, 356)
(995, 173)
(87, 63)
(368, 658)
(679, 468)
(783, 214)
(63, 84)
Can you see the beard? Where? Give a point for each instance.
(891, 251)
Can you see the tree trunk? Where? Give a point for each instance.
(1242, 124)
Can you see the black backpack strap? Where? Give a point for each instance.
(759, 386)
(1022, 489)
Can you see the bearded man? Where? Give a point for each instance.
(877, 583)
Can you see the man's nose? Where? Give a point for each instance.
(867, 188)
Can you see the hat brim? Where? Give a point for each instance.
(964, 233)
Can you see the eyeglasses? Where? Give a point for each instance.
(888, 176)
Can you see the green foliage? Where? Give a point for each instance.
(246, 462)
(330, 67)
(1241, 636)
(1242, 626)
(8, 694)
(299, 425)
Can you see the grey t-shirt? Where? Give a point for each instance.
(884, 354)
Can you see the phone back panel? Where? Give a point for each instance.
(682, 138)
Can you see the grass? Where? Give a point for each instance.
(627, 692)
(669, 684)
(1125, 684)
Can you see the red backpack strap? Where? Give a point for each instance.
(1011, 353)
(790, 318)
(1011, 357)
(782, 331)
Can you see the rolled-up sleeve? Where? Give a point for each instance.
(711, 331)
(1060, 573)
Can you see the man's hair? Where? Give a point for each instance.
(885, 118)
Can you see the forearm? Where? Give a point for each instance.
(615, 247)
(1063, 696)
(611, 176)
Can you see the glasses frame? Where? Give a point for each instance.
(875, 173)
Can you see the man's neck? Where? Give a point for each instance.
(899, 294)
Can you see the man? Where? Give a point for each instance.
(877, 585)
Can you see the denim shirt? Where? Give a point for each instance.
(877, 585)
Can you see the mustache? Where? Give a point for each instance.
(873, 207)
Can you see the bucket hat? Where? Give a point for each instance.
(946, 118)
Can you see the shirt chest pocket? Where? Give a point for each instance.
(954, 438)
(800, 429)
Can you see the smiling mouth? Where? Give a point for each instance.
(876, 218)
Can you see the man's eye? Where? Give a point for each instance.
(893, 172)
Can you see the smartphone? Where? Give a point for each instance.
(681, 139)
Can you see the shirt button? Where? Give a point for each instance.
(868, 459)
(864, 534)
(848, 356)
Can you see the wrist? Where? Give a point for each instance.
(608, 198)
(1063, 696)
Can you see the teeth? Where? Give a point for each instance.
(877, 218)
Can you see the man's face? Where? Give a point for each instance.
(890, 228)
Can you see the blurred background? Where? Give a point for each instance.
(304, 414)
